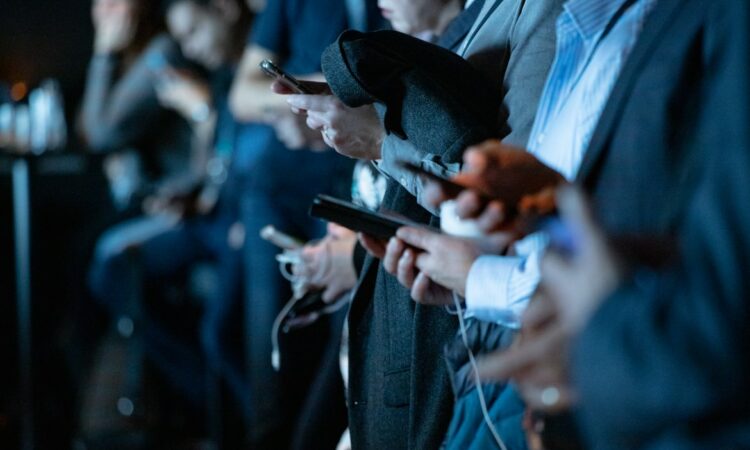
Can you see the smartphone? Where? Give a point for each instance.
(451, 188)
(275, 72)
(280, 239)
(357, 218)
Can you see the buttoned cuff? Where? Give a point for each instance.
(498, 289)
(395, 151)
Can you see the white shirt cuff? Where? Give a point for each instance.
(499, 288)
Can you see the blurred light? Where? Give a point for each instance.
(18, 91)
(125, 406)
(125, 326)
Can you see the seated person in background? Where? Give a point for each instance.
(120, 113)
(195, 224)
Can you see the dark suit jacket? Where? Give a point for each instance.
(399, 392)
(664, 362)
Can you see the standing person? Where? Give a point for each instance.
(446, 23)
(399, 394)
(648, 341)
(281, 184)
(498, 288)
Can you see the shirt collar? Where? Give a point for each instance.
(591, 17)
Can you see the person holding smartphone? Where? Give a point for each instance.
(281, 183)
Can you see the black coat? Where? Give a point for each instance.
(664, 362)
(399, 392)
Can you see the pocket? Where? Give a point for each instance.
(397, 385)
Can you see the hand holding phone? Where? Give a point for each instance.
(275, 72)
(357, 218)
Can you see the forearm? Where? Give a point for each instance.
(251, 98)
(99, 81)
(119, 111)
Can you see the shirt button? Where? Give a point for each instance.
(540, 139)
(402, 180)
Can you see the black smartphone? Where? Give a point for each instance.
(357, 218)
(275, 72)
(451, 188)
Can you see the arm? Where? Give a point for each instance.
(251, 98)
(675, 341)
(117, 112)
(394, 150)
(191, 97)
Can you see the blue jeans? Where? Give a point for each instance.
(153, 250)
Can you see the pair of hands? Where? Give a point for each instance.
(433, 264)
(430, 264)
(326, 265)
(572, 288)
(353, 132)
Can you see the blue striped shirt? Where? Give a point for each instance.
(594, 39)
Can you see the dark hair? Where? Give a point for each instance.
(240, 27)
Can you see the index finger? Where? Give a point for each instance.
(418, 237)
(281, 88)
(320, 103)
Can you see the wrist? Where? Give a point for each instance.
(200, 113)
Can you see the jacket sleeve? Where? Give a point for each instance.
(669, 349)
(118, 109)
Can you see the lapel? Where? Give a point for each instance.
(459, 28)
(652, 35)
(488, 8)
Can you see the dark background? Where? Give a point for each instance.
(42, 39)
(46, 39)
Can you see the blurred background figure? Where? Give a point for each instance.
(144, 269)
(121, 113)
(281, 183)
